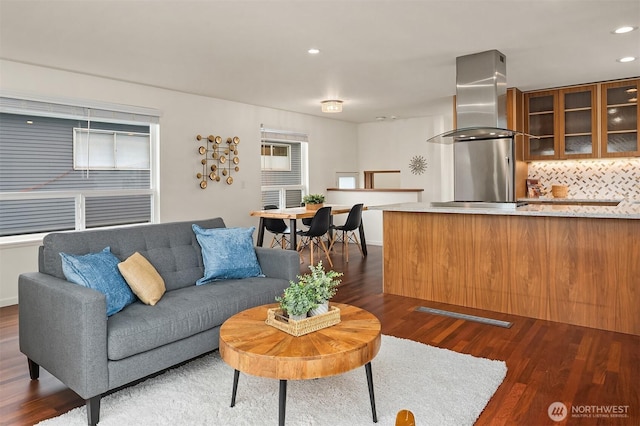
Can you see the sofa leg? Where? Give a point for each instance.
(93, 410)
(34, 369)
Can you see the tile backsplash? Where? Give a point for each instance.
(590, 179)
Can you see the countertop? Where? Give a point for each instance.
(627, 209)
(377, 189)
(553, 200)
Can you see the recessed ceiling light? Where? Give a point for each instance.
(627, 59)
(625, 29)
(313, 51)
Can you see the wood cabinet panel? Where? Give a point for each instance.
(433, 260)
(448, 258)
(528, 246)
(581, 271)
(582, 262)
(515, 121)
(406, 277)
(488, 264)
(627, 308)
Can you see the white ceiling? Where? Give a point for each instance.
(383, 58)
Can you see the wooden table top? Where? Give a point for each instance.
(249, 345)
(298, 212)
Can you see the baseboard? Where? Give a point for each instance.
(8, 301)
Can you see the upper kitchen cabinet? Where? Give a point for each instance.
(578, 122)
(540, 112)
(620, 118)
(565, 122)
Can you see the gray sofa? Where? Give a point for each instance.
(64, 328)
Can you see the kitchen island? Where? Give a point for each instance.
(578, 264)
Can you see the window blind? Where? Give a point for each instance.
(36, 157)
(70, 110)
(284, 185)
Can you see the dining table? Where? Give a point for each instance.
(295, 213)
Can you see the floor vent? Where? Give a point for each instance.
(482, 320)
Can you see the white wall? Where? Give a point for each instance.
(390, 145)
(332, 148)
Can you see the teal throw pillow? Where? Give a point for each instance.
(99, 271)
(227, 253)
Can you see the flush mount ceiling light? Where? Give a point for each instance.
(627, 59)
(331, 106)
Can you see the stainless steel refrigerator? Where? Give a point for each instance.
(484, 170)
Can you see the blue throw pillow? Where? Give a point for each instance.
(227, 253)
(99, 271)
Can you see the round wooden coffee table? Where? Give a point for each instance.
(249, 345)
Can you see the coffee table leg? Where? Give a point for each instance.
(283, 402)
(236, 375)
(372, 397)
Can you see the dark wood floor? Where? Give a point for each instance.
(547, 362)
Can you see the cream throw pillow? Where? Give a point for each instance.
(143, 278)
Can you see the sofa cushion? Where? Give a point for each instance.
(227, 253)
(143, 278)
(172, 248)
(99, 271)
(185, 312)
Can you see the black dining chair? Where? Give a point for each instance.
(346, 233)
(278, 228)
(319, 226)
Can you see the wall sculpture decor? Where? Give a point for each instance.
(418, 165)
(219, 159)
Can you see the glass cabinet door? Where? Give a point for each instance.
(578, 122)
(620, 117)
(540, 121)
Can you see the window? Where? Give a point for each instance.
(66, 167)
(347, 180)
(276, 157)
(284, 167)
(110, 150)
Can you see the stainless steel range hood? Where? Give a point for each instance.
(481, 99)
(484, 151)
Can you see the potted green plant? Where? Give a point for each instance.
(323, 286)
(297, 300)
(313, 201)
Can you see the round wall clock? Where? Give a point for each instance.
(418, 165)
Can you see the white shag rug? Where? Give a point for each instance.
(440, 386)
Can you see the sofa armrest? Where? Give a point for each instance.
(276, 263)
(63, 328)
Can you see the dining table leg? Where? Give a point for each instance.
(363, 241)
(261, 227)
(293, 235)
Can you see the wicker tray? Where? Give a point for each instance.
(275, 318)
